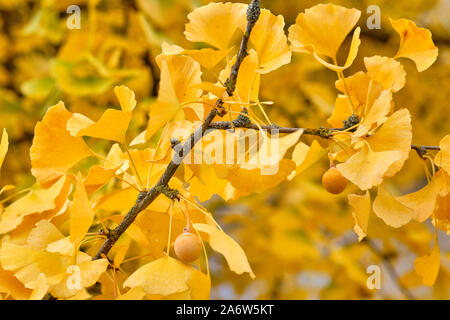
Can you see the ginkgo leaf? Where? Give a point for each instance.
(118, 200)
(35, 201)
(215, 23)
(255, 177)
(97, 177)
(273, 148)
(394, 135)
(136, 293)
(3, 146)
(342, 111)
(27, 263)
(126, 98)
(305, 156)
(63, 246)
(375, 111)
(230, 249)
(39, 287)
(43, 234)
(390, 210)
(10, 285)
(178, 88)
(387, 71)
(270, 42)
(357, 86)
(415, 43)
(112, 125)
(322, 29)
(361, 206)
(206, 57)
(139, 139)
(442, 212)
(427, 267)
(442, 158)
(163, 276)
(248, 80)
(81, 213)
(422, 202)
(199, 285)
(54, 150)
(353, 52)
(88, 272)
(207, 182)
(121, 252)
(367, 168)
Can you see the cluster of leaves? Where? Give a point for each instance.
(88, 174)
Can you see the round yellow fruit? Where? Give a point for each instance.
(333, 181)
(188, 247)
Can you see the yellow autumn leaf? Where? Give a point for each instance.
(270, 42)
(215, 23)
(353, 52)
(206, 57)
(63, 246)
(39, 287)
(390, 209)
(427, 267)
(255, 177)
(423, 201)
(248, 80)
(442, 213)
(367, 168)
(180, 76)
(43, 234)
(342, 110)
(442, 158)
(394, 135)
(97, 177)
(386, 71)
(34, 202)
(136, 293)
(357, 86)
(54, 150)
(164, 276)
(199, 285)
(112, 125)
(273, 147)
(121, 252)
(305, 156)
(415, 43)
(81, 213)
(361, 212)
(3, 146)
(322, 29)
(10, 285)
(375, 110)
(24, 259)
(88, 272)
(230, 249)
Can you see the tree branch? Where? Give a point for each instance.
(422, 150)
(324, 133)
(145, 198)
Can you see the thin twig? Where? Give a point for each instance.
(422, 150)
(320, 132)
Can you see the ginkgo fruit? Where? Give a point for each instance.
(188, 247)
(333, 181)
